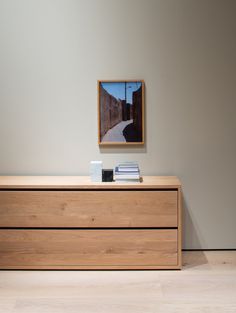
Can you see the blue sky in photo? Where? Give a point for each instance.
(117, 89)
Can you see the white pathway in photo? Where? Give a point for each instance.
(116, 132)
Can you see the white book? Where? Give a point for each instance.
(127, 180)
(127, 177)
(128, 164)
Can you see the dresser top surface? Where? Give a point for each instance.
(84, 182)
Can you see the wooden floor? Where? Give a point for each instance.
(207, 284)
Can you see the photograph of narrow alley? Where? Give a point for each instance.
(121, 112)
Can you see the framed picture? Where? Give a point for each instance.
(121, 112)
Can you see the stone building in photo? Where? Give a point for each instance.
(137, 112)
(110, 111)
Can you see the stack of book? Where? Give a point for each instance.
(127, 172)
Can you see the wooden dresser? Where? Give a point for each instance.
(68, 222)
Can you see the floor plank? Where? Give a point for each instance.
(206, 284)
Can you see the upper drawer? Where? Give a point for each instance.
(88, 208)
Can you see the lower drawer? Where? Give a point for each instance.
(88, 249)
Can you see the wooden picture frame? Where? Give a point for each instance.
(120, 112)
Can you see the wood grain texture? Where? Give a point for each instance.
(207, 284)
(88, 209)
(53, 201)
(84, 182)
(86, 249)
(180, 221)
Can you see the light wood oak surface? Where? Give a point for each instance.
(88, 208)
(84, 182)
(81, 249)
(77, 224)
(206, 284)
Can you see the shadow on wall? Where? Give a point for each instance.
(118, 149)
(190, 227)
(193, 240)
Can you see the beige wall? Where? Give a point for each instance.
(53, 51)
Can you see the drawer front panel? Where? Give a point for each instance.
(83, 249)
(88, 208)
